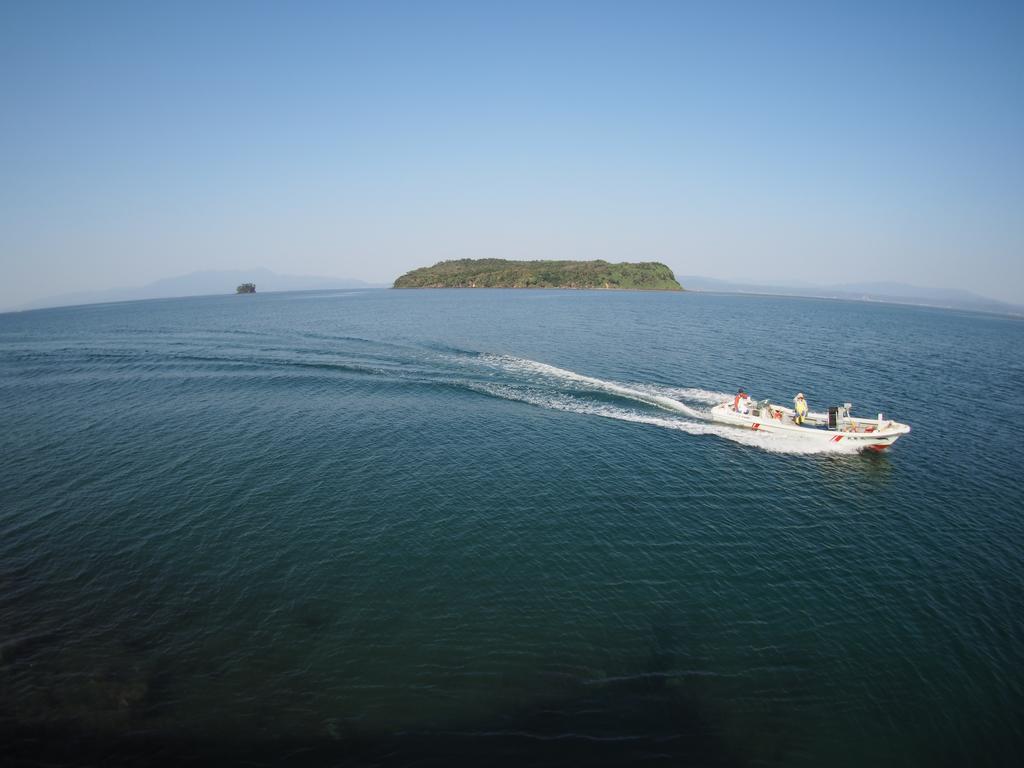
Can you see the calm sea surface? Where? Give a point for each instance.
(413, 527)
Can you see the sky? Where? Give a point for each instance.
(820, 142)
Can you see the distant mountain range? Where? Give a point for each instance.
(893, 293)
(203, 284)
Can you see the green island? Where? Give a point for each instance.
(502, 273)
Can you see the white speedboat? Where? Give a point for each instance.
(836, 426)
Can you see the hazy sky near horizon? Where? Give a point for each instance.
(819, 142)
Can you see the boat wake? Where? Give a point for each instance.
(683, 409)
(679, 408)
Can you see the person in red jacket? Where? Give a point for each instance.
(741, 403)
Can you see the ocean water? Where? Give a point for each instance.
(429, 527)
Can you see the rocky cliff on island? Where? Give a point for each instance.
(502, 273)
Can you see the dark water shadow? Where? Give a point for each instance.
(645, 717)
(631, 723)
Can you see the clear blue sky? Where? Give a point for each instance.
(824, 142)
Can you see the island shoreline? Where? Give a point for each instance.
(598, 275)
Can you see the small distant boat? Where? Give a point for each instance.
(836, 426)
(246, 288)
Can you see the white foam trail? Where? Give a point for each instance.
(647, 395)
(767, 441)
(690, 394)
(697, 422)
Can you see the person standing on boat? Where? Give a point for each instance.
(801, 407)
(741, 403)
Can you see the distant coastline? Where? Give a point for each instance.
(202, 283)
(869, 293)
(503, 273)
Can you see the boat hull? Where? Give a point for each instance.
(851, 433)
